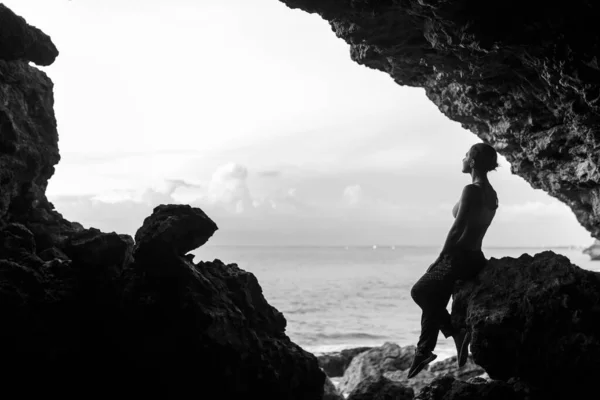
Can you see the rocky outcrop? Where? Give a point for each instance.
(334, 364)
(536, 319)
(449, 388)
(87, 313)
(330, 392)
(392, 362)
(375, 362)
(381, 388)
(593, 251)
(523, 77)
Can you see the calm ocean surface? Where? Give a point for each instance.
(335, 298)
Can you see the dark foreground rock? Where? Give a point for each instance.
(375, 362)
(449, 388)
(86, 313)
(381, 388)
(536, 319)
(330, 392)
(335, 363)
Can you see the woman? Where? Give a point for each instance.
(460, 258)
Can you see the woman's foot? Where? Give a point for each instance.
(419, 362)
(461, 341)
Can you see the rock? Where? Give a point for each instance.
(534, 318)
(593, 251)
(449, 388)
(374, 362)
(381, 388)
(330, 392)
(173, 228)
(528, 87)
(335, 363)
(435, 370)
(52, 253)
(217, 312)
(20, 41)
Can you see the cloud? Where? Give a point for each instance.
(535, 208)
(269, 174)
(352, 195)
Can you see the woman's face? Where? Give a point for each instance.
(466, 164)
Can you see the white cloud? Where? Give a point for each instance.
(352, 195)
(535, 208)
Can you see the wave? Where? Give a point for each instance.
(349, 335)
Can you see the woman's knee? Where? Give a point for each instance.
(417, 293)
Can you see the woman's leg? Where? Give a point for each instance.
(432, 293)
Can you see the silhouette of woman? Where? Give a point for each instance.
(460, 258)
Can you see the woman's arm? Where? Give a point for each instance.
(466, 204)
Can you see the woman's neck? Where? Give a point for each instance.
(479, 177)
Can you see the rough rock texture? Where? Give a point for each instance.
(392, 362)
(535, 318)
(593, 251)
(180, 228)
(448, 388)
(375, 362)
(334, 364)
(85, 312)
(330, 392)
(524, 77)
(21, 41)
(381, 388)
(435, 370)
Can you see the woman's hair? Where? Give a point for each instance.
(485, 156)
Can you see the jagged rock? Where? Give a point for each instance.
(217, 312)
(330, 392)
(335, 363)
(94, 248)
(173, 228)
(52, 253)
(535, 318)
(435, 370)
(449, 388)
(375, 362)
(381, 388)
(523, 77)
(593, 251)
(21, 41)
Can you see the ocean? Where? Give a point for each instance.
(336, 297)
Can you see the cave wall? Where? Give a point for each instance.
(523, 76)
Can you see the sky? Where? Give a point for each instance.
(255, 113)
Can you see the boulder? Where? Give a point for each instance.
(380, 388)
(330, 392)
(436, 370)
(21, 41)
(449, 388)
(335, 363)
(173, 228)
(375, 362)
(536, 318)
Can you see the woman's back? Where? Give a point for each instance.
(479, 218)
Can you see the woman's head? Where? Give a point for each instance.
(480, 157)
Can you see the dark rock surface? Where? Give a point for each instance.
(593, 251)
(523, 77)
(449, 388)
(334, 364)
(330, 392)
(534, 318)
(436, 370)
(381, 388)
(375, 362)
(23, 42)
(88, 313)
